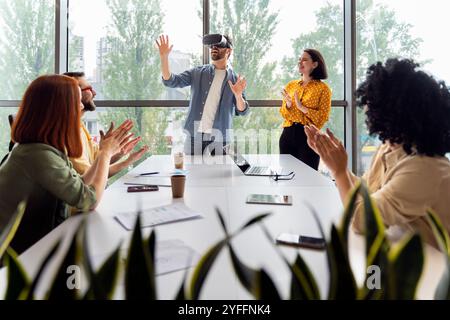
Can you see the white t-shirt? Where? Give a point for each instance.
(212, 102)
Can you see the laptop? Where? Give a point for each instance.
(246, 167)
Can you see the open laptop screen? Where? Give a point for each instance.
(237, 158)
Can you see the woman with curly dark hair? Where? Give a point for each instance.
(410, 112)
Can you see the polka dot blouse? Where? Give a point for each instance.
(315, 96)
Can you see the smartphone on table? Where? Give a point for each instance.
(299, 241)
(142, 188)
(283, 200)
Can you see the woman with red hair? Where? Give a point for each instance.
(46, 132)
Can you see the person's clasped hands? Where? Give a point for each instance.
(330, 149)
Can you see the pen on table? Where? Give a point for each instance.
(148, 173)
(146, 184)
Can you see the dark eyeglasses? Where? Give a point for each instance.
(217, 46)
(281, 177)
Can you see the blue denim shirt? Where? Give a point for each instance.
(200, 79)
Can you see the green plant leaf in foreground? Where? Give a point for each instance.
(250, 278)
(342, 281)
(139, 277)
(103, 282)
(204, 265)
(348, 215)
(406, 265)
(30, 294)
(303, 284)
(17, 278)
(442, 239)
(60, 289)
(9, 231)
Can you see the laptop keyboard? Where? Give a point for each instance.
(257, 170)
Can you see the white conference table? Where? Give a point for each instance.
(216, 182)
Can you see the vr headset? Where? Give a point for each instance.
(216, 40)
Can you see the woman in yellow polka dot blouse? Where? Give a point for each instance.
(305, 101)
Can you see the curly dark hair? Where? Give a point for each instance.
(407, 106)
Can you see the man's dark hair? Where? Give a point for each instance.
(320, 72)
(229, 40)
(407, 106)
(74, 74)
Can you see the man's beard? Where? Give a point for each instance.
(218, 56)
(89, 105)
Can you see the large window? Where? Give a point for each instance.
(270, 35)
(262, 128)
(398, 28)
(159, 127)
(27, 50)
(114, 43)
(27, 44)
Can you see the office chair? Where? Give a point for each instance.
(11, 120)
(11, 143)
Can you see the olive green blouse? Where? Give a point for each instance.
(44, 177)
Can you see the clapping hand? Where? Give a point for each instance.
(287, 98)
(114, 140)
(135, 156)
(128, 147)
(239, 87)
(126, 125)
(330, 149)
(299, 104)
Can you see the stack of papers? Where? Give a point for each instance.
(171, 256)
(156, 216)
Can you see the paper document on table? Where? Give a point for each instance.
(174, 255)
(156, 216)
(171, 256)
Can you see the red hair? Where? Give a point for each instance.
(50, 113)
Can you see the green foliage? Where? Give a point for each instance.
(380, 35)
(17, 277)
(256, 282)
(443, 241)
(252, 26)
(60, 289)
(140, 280)
(130, 72)
(303, 284)
(150, 123)
(248, 277)
(401, 265)
(132, 63)
(406, 268)
(8, 232)
(328, 38)
(28, 44)
(131, 69)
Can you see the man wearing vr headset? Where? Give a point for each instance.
(217, 94)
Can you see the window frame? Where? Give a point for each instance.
(61, 65)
